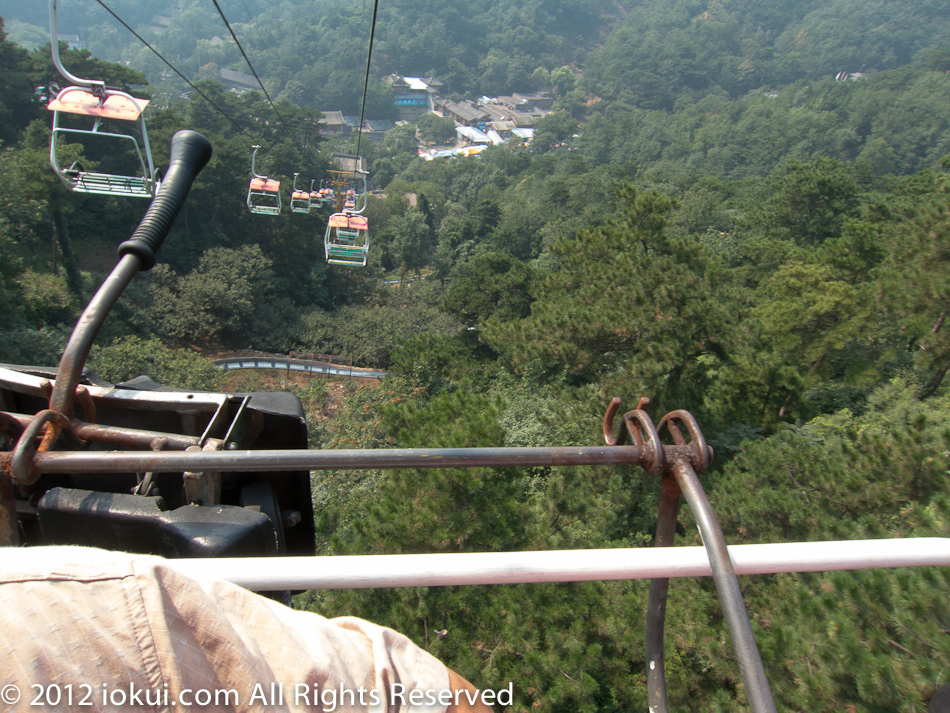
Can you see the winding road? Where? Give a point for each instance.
(304, 365)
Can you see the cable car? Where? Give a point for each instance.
(299, 200)
(347, 238)
(321, 198)
(314, 197)
(92, 99)
(263, 195)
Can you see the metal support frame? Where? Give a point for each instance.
(637, 443)
(679, 469)
(81, 181)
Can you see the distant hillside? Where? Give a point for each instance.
(665, 52)
(649, 55)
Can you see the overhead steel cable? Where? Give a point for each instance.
(247, 10)
(172, 67)
(369, 57)
(246, 59)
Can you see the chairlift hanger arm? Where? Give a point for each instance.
(253, 159)
(190, 152)
(95, 86)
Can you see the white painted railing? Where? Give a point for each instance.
(433, 570)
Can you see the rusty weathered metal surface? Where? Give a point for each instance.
(201, 460)
(9, 529)
(659, 589)
(22, 466)
(245, 460)
(130, 438)
(679, 465)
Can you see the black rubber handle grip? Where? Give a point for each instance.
(190, 153)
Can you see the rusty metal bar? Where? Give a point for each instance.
(119, 436)
(9, 528)
(656, 604)
(245, 460)
(80, 342)
(727, 585)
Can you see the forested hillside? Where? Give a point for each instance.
(708, 218)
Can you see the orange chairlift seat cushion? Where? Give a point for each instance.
(261, 184)
(115, 106)
(354, 222)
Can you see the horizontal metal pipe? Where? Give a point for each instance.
(271, 460)
(439, 570)
(126, 437)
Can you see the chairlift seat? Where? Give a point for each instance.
(107, 184)
(347, 239)
(75, 100)
(342, 220)
(265, 184)
(300, 202)
(111, 105)
(343, 255)
(263, 196)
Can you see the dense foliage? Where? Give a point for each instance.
(731, 231)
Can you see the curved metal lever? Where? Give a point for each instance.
(638, 428)
(700, 454)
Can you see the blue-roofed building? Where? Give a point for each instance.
(414, 96)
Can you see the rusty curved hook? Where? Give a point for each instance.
(700, 453)
(609, 437)
(21, 463)
(638, 427)
(609, 416)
